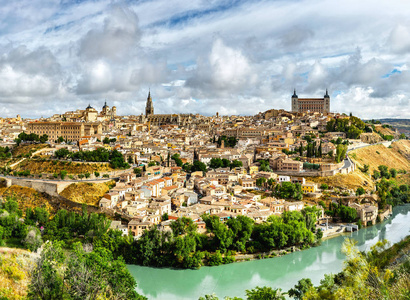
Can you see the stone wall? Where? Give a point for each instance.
(52, 188)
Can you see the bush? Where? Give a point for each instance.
(96, 174)
(324, 186)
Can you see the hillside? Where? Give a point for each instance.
(395, 157)
(385, 130)
(15, 265)
(50, 167)
(26, 197)
(350, 181)
(86, 192)
(29, 149)
(380, 155)
(403, 125)
(403, 147)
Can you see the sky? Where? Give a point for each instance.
(204, 56)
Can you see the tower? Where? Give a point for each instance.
(149, 108)
(326, 106)
(295, 102)
(105, 109)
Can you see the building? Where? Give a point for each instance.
(163, 119)
(149, 108)
(309, 187)
(70, 131)
(320, 105)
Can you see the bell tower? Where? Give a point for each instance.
(149, 108)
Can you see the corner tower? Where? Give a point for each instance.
(326, 106)
(295, 102)
(149, 108)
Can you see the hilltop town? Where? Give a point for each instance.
(157, 168)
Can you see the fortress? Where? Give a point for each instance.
(320, 105)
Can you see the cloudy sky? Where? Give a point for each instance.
(204, 56)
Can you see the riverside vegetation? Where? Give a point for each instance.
(70, 264)
(381, 273)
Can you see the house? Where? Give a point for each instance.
(365, 212)
(116, 225)
(105, 203)
(294, 206)
(247, 183)
(309, 187)
(137, 226)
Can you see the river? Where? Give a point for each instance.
(284, 272)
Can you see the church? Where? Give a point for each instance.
(320, 105)
(163, 119)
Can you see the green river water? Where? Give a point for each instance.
(279, 272)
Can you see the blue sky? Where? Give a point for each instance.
(204, 56)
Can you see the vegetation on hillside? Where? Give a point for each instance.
(114, 157)
(26, 197)
(43, 166)
(86, 192)
(15, 266)
(84, 272)
(376, 155)
(26, 150)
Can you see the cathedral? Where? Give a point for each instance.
(163, 119)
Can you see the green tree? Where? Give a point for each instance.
(360, 191)
(265, 293)
(300, 288)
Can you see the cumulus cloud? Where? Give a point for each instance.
(118, 38)
(224, 70)
(25, 73)
(237, 57)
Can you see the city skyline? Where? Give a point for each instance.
(231, 57)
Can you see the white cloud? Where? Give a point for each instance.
(204, 56)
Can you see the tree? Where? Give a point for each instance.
(106, 140)
(348, 214)
(60, 139)
(300, 288)
(340, 152)
(137, 172)
(164, 217)
(33, 240)
(215, 163)
(393, 173)
(236, 164)
(198, 166)
(177, 160)
(265, 293)
(324, 186)
(43, 138)
(360, 191)
(365, 168)
(261, 181)
(63, 174)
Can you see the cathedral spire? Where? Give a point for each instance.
(149, 108)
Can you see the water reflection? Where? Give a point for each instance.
(282, 272)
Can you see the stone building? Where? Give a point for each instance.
(320, 105)
(163, 119)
